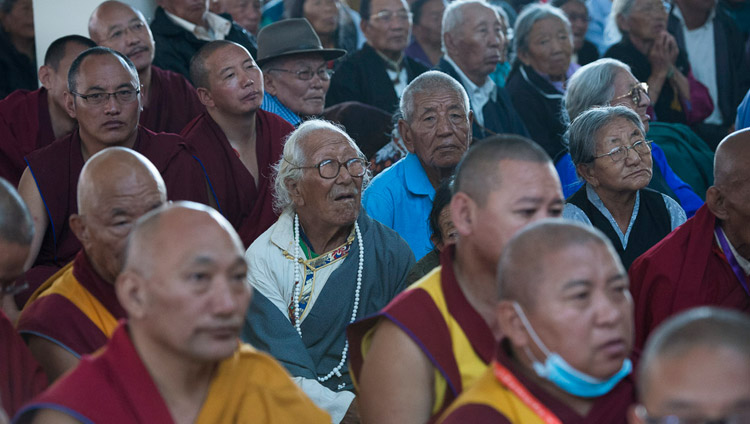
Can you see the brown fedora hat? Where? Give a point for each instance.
(291, 36)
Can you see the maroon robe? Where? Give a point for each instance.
(21, 378)
(172, 102)
(684, 270)
(55, 170)
(57, 319)
(248, 207)
(25, 126)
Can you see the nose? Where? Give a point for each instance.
(247, 78)
(632, 158)
(111, 106)
(443, 126)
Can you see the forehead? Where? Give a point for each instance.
(475, 14)
(327, 144)
(104, 71)
(546, 26)
(620, 128)
(624, 81)
(589, 261)
(226, 56)
(379, 5)
(117, 14)
(192, 236)
(444, 97)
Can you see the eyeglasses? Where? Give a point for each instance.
(386, 16)
(14, 288)
(307, 74)
(96, 99)
(742, 417)
(330, 168)
(136, 28)
(635, 93)
(642, 147)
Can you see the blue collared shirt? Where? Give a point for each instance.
(401, 198)
(273, 105)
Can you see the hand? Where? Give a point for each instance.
(663, 54)
(352, 414)
(671, 48)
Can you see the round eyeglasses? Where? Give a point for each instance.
(642, 147)
(330, 168)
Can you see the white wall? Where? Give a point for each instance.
(56, 18)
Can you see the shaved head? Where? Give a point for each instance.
(732, 156)
(522, 261)
(16, 226)
(98, 22)
(199, 70)
(58, 49)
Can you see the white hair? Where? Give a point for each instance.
(453, 16)
(430, 81)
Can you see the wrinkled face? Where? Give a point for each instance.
(647, 19)
(582, 309)
(120, 28)
(189, 10)
(11, 263)
(328, 203)
(528, 192)
(549, 49)
(578, 16)
(110, 217)
(57, 84)
(235, 81)
(305, 98)
(628, 175)
(431, 21)
(112, 123)
(198, 293)
(440, 129)
(322, 14)
(624, 84)
(477, 43)
(704, 384)
(19, 22)
(246, 13)
(389, 27)
(447, 231)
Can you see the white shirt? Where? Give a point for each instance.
(701, 52)
(741, 261)
(218, 27)
(478, 95)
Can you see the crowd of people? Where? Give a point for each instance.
(383, 211)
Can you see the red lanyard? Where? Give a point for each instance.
(512, 383)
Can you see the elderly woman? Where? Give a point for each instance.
(611, 154)
(608, 82)
(655, 58)
(544, 45)
(584, 51)
(330, 20)
(322, 265)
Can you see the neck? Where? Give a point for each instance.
(145, 77)
(619, 204)
(477, 79)
(694, 18)
(523, 364)
(24, 45)
(183, 384)
(437, 175)
(394, 56)
(239, 129)
(91, 147)
(477, 282)
(643, 46)
(324, 239)
(736, 242)
(62, 123)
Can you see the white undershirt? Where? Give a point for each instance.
(478, 96)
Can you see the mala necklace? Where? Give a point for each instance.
(298, 288)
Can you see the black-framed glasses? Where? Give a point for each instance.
(741, 417)
(307, 74)
(14, 288)
(121, 96)
(330, 168)
(642, 147)
(386, 16)
(635, 93)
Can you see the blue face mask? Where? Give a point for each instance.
(563, 375)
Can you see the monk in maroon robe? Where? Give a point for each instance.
(169, 101)
(106, 104)
(706, 261)
(76, 311)
(237, 142)
(30, 120)
(21, 378)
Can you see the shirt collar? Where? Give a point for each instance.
(488, 89)
(216, 24)
(417, 181)
(393, 65)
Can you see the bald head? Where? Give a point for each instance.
(732, 156)
(15, 221)
(122, 27)
(199, 65)
(522, 262)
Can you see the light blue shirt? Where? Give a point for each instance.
(273, 105)
(401, 198)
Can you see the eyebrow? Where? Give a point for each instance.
(575, 283)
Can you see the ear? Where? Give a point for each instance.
(294, 189)
(511, 325)
(78, 225)
(622, 23)
(715, 200)
(450, 43)
(364, 26)
(130, 290)
(205, 97)
(270, 88)
(523, 56)
(70, 104)
(45, 76)
(463, 211)
(406, 135)
(586, 171)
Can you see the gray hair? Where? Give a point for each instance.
(584, 130)
(431, 82)
(294, 156)
(705, 327)
(592, 85)
(453, 16)
(620, 8)
(530, 15)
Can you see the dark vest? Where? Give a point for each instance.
(651, 225)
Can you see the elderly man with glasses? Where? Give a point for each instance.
(295, 71)
(378, 73)
(322, 265)
(104, 97)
